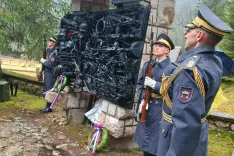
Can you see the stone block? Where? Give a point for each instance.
(128, 122)
(134, 122)
(148, 32)
(75, 5)
(149, 49)
(121, 143)
(232, 127)
(95, 7)
(136, 97)
(112, 109)
(145, 58)
(105, 105)
(107, 2)
(104, 7)
(221, 124)
(85, 7)
(83, 103)
(76, 115)
(69, 89)
(114, 126)
(154, 3)
(73, 101)
(153, 17)
(169, 32)
(84, 95)
(77, 90)
(129, 131)
(144, 49)
(162, 30)
(212, 127)
(101, 2)
(62, 99)
(122, 113)
(150, 29)
(165, 13)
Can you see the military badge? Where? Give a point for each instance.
(185, 94)
(190, 64)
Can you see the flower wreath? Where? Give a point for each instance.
(97, 138)
(60, 79)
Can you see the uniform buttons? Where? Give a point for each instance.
(156, 102)
(150, 101)
(153, 78)
(163, 131)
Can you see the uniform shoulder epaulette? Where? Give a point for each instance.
(192, 61)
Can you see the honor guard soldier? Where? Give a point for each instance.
(147, 133)
(49, 63)
(189, 92)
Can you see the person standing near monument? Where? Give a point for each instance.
(49, 63)
(189, 92)
(146, 135)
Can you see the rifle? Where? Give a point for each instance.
(148, 73)
(40, 75)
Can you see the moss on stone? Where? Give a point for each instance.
(24, 100)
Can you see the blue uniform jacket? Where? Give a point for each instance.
(146, 135)
(187, 135)
(49, 65)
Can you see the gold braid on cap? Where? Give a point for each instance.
(52, 39)
(201, 23)
(164, 42)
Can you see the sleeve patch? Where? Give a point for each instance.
(185, 94)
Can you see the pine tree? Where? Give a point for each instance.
(227, 44)
(23, 23)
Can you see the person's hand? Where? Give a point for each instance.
(42, 60)
(149, 82)
(140, 107)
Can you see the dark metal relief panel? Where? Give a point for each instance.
(101, 51)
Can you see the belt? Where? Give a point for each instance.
(159, 96)
(168, 118)
(48, 70)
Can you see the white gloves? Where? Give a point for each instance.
(42, 60)
(149, 82)
(140, 107)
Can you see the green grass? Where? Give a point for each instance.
(24, 100)
(220, 143)
(227, 84)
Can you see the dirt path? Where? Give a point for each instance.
(31, 133)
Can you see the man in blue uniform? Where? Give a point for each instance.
(146, 135)
(191, 89)
(49, 63)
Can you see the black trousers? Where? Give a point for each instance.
(148, 154)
